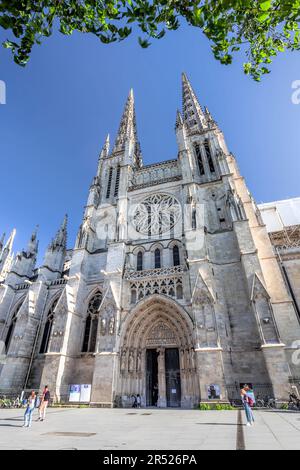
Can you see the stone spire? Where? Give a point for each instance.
(103, 154)
(192, 112)
(24, 263)
(127, 134)
(33, 243)
(106, 147)
(179, 120)
(10, 241)
(6, 255)
(209, 117)
(60, 241)
(2, 242)
(55, 255)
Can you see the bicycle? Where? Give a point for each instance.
(294, 403)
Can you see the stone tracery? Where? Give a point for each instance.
(157, 214)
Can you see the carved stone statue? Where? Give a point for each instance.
(233, 207)
(139, 361)
(121, 226)
(131, 362)
(161, 359)
(112, 326)
(103, 327)
(123, 360)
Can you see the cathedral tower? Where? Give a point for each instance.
(173, 290)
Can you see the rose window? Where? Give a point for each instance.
(157, 214)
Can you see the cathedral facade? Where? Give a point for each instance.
(173, 290)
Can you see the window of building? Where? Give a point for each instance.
(179, 292)
(199, 159)
(48, 328)
(157, 258)
(133, 296)
(109, 183)
(117, 181)
(139, 261)
(91, 324)
(11, 328)
(176, 257)
(194, 219)
(209, 156)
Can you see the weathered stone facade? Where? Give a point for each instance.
(173, 285)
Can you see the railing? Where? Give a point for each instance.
(156, 174)
(164, 281)
(153, 273)
(22, 286)
(286, 239)
(58, 282)
(260, 391)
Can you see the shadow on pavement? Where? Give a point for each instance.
(12, 419)
(220, 424)
(10, 426)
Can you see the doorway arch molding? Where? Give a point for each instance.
(158, 324)
(149, 313)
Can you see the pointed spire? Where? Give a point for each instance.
(209, 116)
(6, 257)
(179, 120)
(2, 242)
(106, 147)
(65, 222)
(103, 154)
(60, 240)
(192, 111)
(10, 241)
(207, 112)
(127, 125)
(127, 130)
(7, 248)
(33, 242)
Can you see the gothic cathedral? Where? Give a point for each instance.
(173, 290)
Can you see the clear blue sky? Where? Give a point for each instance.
(61, 106)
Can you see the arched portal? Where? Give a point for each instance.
(157, 357)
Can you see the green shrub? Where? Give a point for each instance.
(215, 407)
(204, 407)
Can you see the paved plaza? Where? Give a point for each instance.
(121, 429)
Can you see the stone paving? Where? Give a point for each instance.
(150, 429)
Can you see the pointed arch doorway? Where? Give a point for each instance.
(157, 357)
(169, 372)
(163, 374)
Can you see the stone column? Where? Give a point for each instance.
(183, 377)
(162, 394)
(144, 378)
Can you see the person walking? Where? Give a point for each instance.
(29, 410)
(134, 404)
(44, 404)
(247, 403)
(139, 401)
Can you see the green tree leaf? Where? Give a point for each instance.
(261, 29)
